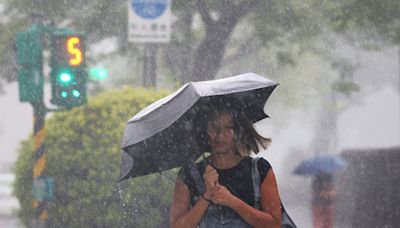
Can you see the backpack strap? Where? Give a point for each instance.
(287, 222)
(198, 180)
(256, 182)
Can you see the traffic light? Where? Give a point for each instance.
(29, 48)
(68, 74)
(98, 74)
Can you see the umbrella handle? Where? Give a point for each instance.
(207, 161)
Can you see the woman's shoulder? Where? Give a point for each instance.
(263, 166)
(263, 162)
(186, 170)
(186, 175)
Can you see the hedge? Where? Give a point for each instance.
(83, 158)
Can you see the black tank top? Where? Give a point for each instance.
(237, 179)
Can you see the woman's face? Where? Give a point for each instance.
(220, 133)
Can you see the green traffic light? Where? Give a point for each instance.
(64, 94)
(68, 75)
(65, 78)
(98, 74)
(76, 93)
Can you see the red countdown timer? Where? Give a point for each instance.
(69, 50)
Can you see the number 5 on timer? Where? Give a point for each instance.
(68, 74)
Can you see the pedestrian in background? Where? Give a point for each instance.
(323, 202)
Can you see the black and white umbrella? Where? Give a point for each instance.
(162, 136)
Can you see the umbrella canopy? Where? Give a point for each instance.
(319, 165)
(162, 136)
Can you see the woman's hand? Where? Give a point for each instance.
(210, 177)
(221, 195)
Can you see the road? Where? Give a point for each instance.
(8, 203)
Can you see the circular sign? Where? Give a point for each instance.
(149, 9)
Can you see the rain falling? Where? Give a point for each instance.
(107, 108)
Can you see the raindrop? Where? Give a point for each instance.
(122, 201)
(188, 126)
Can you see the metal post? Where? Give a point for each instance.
(145, 63)
(39, 166)
(149, 65)
(39, 156)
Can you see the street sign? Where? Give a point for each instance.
(37, 223)
(29, 46)
(29, 52)
(43, 188)
(149, 21)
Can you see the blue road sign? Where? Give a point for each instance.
(149, 9)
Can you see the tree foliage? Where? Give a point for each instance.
(231, 31)
(378, 18)
(82, 149)
(195, 52)
(207, 34)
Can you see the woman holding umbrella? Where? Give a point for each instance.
(229, 188)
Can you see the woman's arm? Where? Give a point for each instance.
(181, 213)
(270, 213)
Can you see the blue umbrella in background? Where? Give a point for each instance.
(322, 164)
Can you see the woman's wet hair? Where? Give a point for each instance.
(246, 138)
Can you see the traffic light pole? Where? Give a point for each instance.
(68, 79)
(30, 79)
(39, 166)
(39, 204)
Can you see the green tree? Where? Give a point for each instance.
(227, 32)
(379, 19)
(230, 32)
(196, 52)
(83, 157)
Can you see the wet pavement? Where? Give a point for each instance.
(8, 203)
